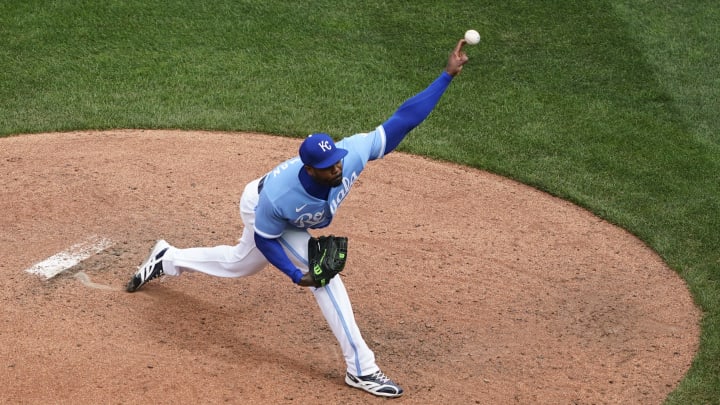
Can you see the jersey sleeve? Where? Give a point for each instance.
(269, 222)
(369, 146)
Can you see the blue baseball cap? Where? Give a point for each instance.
(319, 151)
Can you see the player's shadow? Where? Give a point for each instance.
(231, 332)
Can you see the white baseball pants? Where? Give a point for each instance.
(245, 259)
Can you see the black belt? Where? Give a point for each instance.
(261, 183)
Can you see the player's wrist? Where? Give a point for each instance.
(307, 281)
(297, 276)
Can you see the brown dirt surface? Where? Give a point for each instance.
(469, 287)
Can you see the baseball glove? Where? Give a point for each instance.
(326, 257)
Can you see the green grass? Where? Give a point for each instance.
(610, 104)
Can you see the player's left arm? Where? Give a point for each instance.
(414, 111)
(275, 254)
(268, 228)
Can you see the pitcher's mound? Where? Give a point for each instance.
(469, 287)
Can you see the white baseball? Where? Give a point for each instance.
(472, 37)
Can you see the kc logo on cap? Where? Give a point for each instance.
(325, 145)
(319, 151)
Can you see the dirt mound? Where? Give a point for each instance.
(469, 287)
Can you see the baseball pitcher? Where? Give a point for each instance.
(305, 192)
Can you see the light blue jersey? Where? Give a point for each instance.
(285, 203)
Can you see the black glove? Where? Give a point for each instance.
(326, 257)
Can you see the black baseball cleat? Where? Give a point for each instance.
(149, 270)
(376, 383)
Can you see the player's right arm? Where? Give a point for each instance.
(414, 110)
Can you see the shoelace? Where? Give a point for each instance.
(380, 376)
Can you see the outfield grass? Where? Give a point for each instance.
(612, 105)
